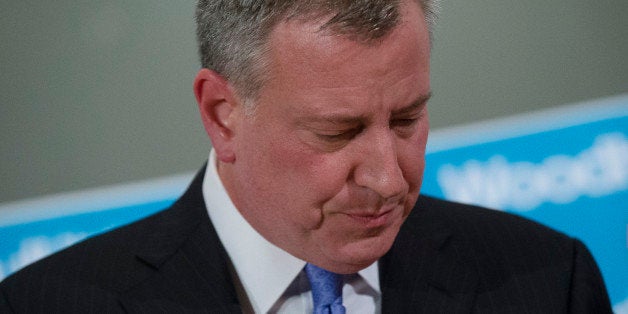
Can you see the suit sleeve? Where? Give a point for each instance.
(588, 293)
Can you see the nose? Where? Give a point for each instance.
(378, 168)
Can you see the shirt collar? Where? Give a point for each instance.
(264, 269)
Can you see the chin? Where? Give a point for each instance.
(356, 256)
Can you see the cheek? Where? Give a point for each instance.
(412, 160)
(412, 167)
(310, 177)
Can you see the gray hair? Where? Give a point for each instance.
(233, 34)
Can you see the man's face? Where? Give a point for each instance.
(330, 164)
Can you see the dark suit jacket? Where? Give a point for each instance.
(448, 258)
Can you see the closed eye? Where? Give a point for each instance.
(404, 122)
(405, 127)
(339, 137)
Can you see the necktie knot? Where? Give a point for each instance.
(326, 290)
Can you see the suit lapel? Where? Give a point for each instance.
(426, 270)
(188, 264)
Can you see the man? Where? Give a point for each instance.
(317, 115)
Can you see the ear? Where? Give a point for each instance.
(217, 105)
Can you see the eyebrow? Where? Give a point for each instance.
(344, 119)
(336, 119)
(422, 100)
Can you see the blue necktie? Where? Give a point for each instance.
(326, 290)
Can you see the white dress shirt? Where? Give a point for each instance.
(270, 279)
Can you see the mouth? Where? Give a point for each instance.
(372, 220)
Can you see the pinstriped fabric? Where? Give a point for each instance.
(583, 281)
(473, 260)
(171, 262)
(448, 258)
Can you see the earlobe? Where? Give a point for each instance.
(217, 104)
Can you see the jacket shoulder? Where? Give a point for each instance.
(482, 226)
(92, 273)
(517, 262)
(495, 241)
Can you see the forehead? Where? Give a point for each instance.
(304, 58)
(308, 33)
(305, 40)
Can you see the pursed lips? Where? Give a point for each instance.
(373, 218)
